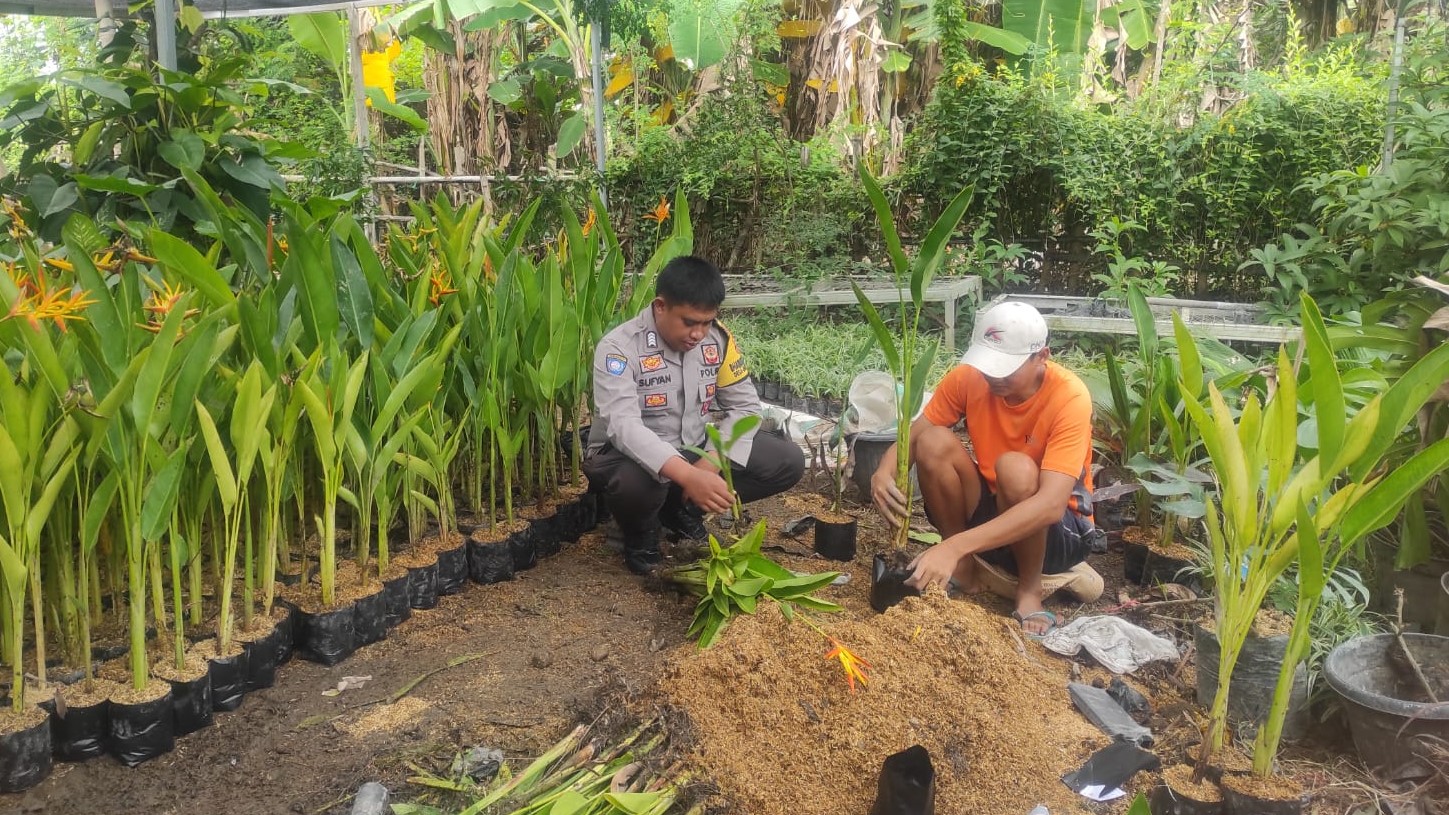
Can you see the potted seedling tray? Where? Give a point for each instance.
(1205, 318)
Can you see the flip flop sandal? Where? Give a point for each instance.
(1050, 617)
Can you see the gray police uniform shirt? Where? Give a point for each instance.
(651, 401)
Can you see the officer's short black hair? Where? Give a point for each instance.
(690, 281)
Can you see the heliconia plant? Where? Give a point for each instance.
(1275, 507)
(908, 353)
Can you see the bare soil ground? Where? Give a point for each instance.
(578, 637)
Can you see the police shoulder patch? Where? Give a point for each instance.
(615, 364)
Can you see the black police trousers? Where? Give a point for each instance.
(635, 496)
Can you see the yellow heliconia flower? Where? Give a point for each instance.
(60, 263)
(854, 665)
(590, 222)
(377, 70)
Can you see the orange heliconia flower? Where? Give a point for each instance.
(660, 213)
(592, 220)
(161, 304)
(43, 304)
(440, 286)
(854, 665)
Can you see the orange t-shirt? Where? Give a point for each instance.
(1054, 426)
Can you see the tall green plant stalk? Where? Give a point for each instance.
(909, 356)
(1325, 540)
(233, 468)
(1273, 507)
(329, 404)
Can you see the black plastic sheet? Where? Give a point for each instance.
(1254, 679)
(523, 545)
(228, 681)
(453, 566)
(907, 784)
(262, 655)
(422, 586)
(326, 637)
(398, 608)
(490, 562)
(369, 623)
(888, 582)
(835, 541)
(25, 757)
(80, 733)
(191, 704)
(143, 731)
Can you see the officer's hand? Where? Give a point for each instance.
(708, 491)
(888, 500)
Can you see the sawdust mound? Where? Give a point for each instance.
(780, 733)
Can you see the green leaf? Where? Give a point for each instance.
(104, 88)
(354, 297)
(189, 264)
(161, 495)
(13, 570)
(324, 34)
(1381, 504)
(120, 184)
(1060, 24)
(402, 113)
(701, 31)
(85, 147)
(226, 484)
(1008, 41)
(1140, 806)
(65, 196)
(570, 133)
(772, 73)
(185, 150)
(1328, 404)
(896, 62)
(505, 91)
(634, 803)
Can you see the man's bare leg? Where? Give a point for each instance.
(951, 489)
(1017, 479)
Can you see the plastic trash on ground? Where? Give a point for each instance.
(1118, 645)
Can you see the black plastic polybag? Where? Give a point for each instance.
(326, 637)
(142, 731)
(907, 784)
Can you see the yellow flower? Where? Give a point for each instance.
(589, 223)
(854, 665)
(660, 213)
(60, 263)
(377, 70)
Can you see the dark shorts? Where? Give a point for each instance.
(1068, 541)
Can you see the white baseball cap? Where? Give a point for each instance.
(1005, 336)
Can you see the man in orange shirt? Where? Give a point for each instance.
(1023, 503)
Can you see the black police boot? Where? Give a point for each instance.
(683, 521)
(641, 551)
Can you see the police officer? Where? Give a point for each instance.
(657, 378)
